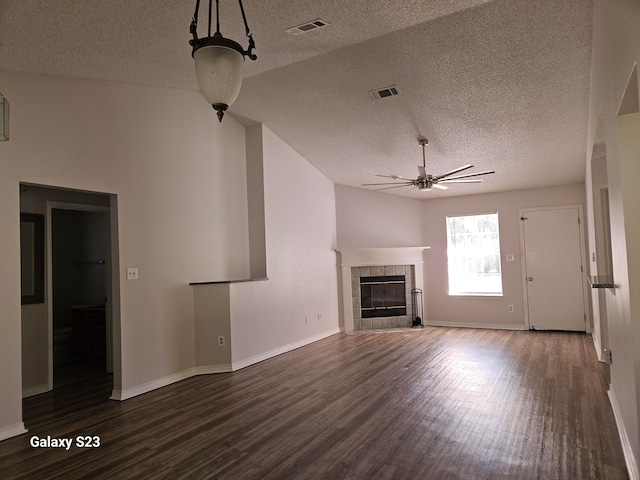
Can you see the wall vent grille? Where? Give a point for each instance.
(385, 92)
(307, 27)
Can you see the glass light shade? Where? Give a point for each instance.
(219, 73)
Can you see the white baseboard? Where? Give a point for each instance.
(284, 349)
(599, 353)
(209, 369)
(492, 326)
(127, 393)
(35, 390)
(12, 431)
(629, 458)
(152, 385)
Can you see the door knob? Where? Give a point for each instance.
(530, 279)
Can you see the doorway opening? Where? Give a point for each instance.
(79, 276)
(69, 339)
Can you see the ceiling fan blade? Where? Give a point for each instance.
(423, 172)
(395, 177)
(460, 181)
(397, 186)
(440, 187)
(459, 169)
(471, 175)
(385, 183)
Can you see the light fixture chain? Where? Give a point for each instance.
(194, 22)
(244, 17)
(209, 24)
(252, 44)
(217, 17)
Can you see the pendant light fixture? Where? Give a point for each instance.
(219, 61)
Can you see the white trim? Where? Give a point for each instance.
(284, 349)
(364, 257)
(602, 233)
(212, 369)
(477, 295)
(632, 465)
(12, 431)
(599, 352)
(603, 265)
(458, 293)
(35, 390)
(491, 326)
(152, 385)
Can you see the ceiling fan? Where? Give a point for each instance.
(425, 181)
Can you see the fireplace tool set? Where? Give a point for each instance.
(416, 307)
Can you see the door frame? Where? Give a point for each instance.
(604, 264)
(602, 229)
(583, 256)
(57, 205)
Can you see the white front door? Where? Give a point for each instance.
(553, 253)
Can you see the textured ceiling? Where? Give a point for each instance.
(501, 84)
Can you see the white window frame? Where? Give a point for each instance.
(480, 292)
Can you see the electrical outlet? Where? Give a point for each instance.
(320, 316)
(222, 341)
(510, 258)
(510, 307)
(132, 273)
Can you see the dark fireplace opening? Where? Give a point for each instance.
(383, 296)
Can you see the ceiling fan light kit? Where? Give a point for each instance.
(218, 60)
(425, 181)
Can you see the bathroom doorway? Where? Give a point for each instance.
(68, 337)
(79, 274)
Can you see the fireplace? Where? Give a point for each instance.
(383, 296)
(363, 263)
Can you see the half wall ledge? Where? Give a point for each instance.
(216, 282)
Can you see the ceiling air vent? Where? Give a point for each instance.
(307, 27)
(385, 92)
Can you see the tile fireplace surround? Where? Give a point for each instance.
(350, 262)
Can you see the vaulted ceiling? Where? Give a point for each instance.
(500, 84)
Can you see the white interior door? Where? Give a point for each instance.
(554, 285)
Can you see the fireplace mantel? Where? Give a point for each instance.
(365, 257)
(370, 257)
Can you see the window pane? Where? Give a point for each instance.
(473, 252)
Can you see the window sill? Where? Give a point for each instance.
(494, 295)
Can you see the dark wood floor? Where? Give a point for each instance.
(436, 403)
